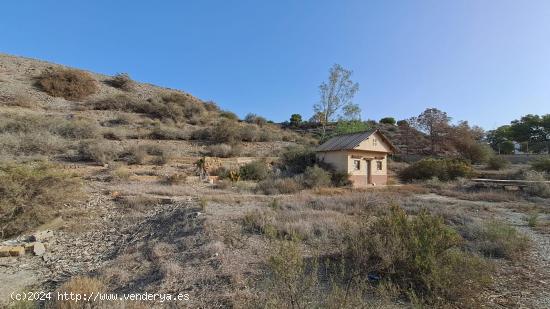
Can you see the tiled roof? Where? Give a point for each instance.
(343, 142)
(350, 141)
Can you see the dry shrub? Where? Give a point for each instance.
(272, 186)
(122, 81)
(82, 286)
(497, 163)
(538, 187)
(256, 170)
(121, 173)
(315, 177)
(42, 143)
(31, 194)
(21, 100)
(133, 155)
(421, 256)
(168, 133)
(97, 151)
(120, 102)
(496, 239)
(78, 129)
(175, 179)
(137, 202)
(223, 150)
(542, 164)
(67, 83)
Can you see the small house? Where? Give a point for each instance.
(363, 156)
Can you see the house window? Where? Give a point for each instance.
(379, 165)
(356, 165)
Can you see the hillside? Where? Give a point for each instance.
(119, 117)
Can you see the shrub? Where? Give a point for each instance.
(296, 159)
(315, 177)
(225, 131)
(498, 240)
(388, 120)
(229, 115)
(340, 179)
(175, 179)
(120, 102)
(79, 286)
(256, 170)
(21, 100)
(255, 119)
(538, 187)
(167, 133)
(542, 165)
(295, 120)
(444, 169)
(78, 129)
(272, 186)
(420, 255)
(122, 81)
(475, 152)
(67, 83)
(497, 163)
(31, 194)
(222, 150)
(211, 106)
(133, 155)
(97, 151)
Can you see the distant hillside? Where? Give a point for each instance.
(53, 110)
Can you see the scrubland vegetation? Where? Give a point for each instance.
(269, 225)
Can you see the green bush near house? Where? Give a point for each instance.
(443, 169)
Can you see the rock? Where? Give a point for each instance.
(38, 249)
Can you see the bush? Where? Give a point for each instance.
(255, 119)
(133, 155)
(497, 163)
(273, 186)
(120, 102)
(122, 81)
(175, 179)
(315, 177)
(295, 160)
(79, 286)
(388, 120)
(443, 169)
(539, 187)
(475, 152)
(31, 194)
(542, 165)
(229, 115)
(97, 151)
(67, 83)
(167, 133)
(256, 170)
(498, 240)
(220, 150)
(78, 129)
(420, 255)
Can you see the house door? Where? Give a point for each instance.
(369, 180)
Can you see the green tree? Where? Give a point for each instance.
(348, 127)
(295, 120)
(336, 96)
(388, 120)
(435, 123)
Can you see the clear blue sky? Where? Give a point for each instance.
(483, 61)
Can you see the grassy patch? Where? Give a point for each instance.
(31, 194)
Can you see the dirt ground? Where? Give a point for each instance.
(142, 235)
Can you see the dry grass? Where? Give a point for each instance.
(67, 83)
(81, 286)
(31, 194)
